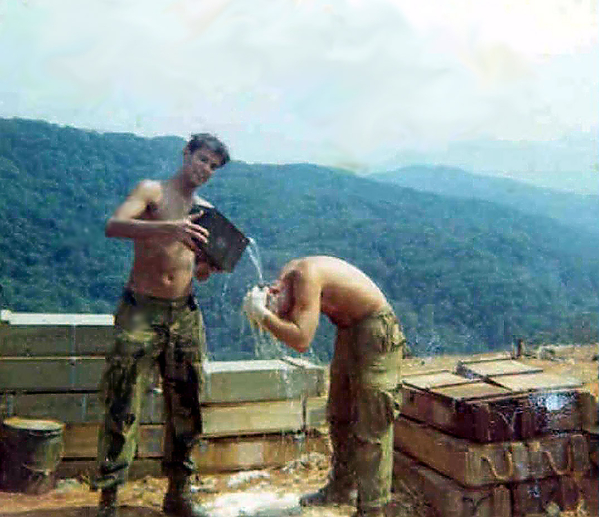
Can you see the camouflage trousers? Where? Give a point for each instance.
(151, 331)
(365, 375)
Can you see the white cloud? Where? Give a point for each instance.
(337, 82)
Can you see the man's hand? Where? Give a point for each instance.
(254, 305)
(203, 268)
(190, 233)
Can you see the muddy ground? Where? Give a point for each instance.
(274, 492)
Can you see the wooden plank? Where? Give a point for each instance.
(54, 340)
(215, 455)
(589, 490)
(72, 407)
(445, 496)
(469, 392)
(66, 407)
(54, 319)
(253, 417)
(218, 454)
(219, 420)
(251, 381)
(37, 374)
(276, 450)
(590, 411)
(315, 412)
(93, 340)
(27, 340)
(81, 441)
(315, 376)
(226, 381)
(535, 382)
(482, 369)
(593, 442)
(534, 496)
(475, 464)
(436, 379)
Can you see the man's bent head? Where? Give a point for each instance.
(280, 297)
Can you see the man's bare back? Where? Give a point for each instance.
(347, 295)
(290, 308)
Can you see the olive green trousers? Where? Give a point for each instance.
(151, 332)
(365, 376)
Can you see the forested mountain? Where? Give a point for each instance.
(574, 209)
(463, 275)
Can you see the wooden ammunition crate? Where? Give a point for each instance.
(491, 411)
(51, 365)
(475, 464)
(446, 497)
(534, 496)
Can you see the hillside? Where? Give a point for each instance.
(464, 275)
(578, 210)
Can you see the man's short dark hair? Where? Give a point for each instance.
(210, 142)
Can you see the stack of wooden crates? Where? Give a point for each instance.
(256, 413)
(496, 438)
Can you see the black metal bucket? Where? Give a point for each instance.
(225, 243)
(30, 451)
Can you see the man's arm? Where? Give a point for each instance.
(203, 268)
(298, 330)
(125, 222)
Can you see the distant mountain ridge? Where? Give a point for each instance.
(573, 209)
(464, 275)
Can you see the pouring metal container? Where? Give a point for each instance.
(225, 243)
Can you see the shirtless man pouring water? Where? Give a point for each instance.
(364, 371)
(159, 322)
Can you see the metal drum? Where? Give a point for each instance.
(30, 451)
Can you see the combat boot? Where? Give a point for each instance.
(108, 503)
(177, 500)
(332, 494)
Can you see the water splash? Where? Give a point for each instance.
(254, 254)
(266, 346)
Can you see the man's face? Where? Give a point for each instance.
(201, 164)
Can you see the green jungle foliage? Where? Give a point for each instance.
(573, 209)
(463, 275)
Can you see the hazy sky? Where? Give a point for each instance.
(351, 83)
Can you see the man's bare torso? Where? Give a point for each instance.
(347, 294)
(163, 268)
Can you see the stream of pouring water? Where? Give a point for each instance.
(266, 346)
(254, 254)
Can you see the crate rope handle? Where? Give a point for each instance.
(496, 475)
(569, 460)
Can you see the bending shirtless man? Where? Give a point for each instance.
(364, 372)
(158, 321)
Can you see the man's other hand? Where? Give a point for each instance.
(254, 304)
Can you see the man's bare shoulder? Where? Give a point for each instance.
(304, 269)
(151, 187)
(148, 191)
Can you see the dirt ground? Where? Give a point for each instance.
(274, 492)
